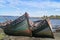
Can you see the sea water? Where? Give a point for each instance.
(55, 22)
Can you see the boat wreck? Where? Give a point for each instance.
(19, 27)
(42, 29)
(23, 27)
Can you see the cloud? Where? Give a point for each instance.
(44, 6)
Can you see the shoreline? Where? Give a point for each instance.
(6, 37)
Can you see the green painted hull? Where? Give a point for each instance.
(20, 28)
(43, 30)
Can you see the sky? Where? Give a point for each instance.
(35, 8)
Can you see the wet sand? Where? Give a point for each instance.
(6, 37)
(56, 35)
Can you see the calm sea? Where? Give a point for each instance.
(55, 22)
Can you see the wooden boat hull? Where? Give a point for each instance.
(43, 30)
(19, 27)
